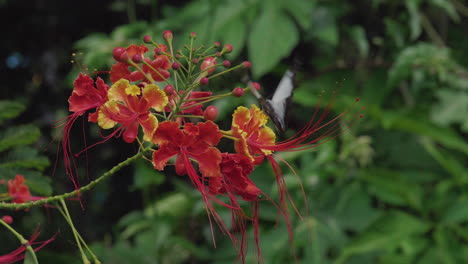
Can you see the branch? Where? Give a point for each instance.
(89, 186)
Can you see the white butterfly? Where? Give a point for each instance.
(275, 107)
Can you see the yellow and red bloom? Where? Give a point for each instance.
(129, 105)
(249, 127)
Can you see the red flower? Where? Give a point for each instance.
(234, 178)
(86, 95)
(194, 141)
(19, 191)
(19, 253)
(160, 63)
(130, 106)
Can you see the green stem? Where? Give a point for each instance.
(22, 240)
(89, 186)
(67, 217)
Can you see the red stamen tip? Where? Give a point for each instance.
(357, 99)
(204, 81)
(175, 66)
(169, 89)
(167, 35)
(158, 51)
(256, 85)
(147, 39)
(7, 219)
(238, 92)
(117, 52)
(137, 58)
(124, 57)
(227, 48)
(211, 113)
(361, 116)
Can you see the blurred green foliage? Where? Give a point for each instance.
(392, 189)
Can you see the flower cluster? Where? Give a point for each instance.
(154, 98)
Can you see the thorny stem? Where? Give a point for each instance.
(89, 186)
(22, 240)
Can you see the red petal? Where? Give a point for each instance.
(209, 133)
(208, 161)
(163, 154)
(119, 71)
(168, 131)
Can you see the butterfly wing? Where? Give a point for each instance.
(278, 103)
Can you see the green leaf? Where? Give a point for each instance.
(10, 109)
(229, 12)
(411, 123)
(18, 135)
(456, 213)
(415, 19)
(235, 33)
(325, 26)
(451, 109)
(448, 7)
(358, 34)
(390, 229)
(446, 160)
(146, 177)
(25, 157)
(301, 11)
(273, 37)
(387, 186)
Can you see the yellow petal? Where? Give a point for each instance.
(105, 111)
(118, 90)
(156, 97)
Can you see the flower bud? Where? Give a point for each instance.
(117, 52)
(178, 56)
(208, 64)
(195, 60)
(226, 64)
(158, 51)
(169, 89)
(218, 54)
(8, 219)
(167, 35)
(217, 44)
(175, 66)
(204, 81)
(238, 92)
(137, 58)
(124, 57)
(256, 85)
(247, 64)
(147, 39)
(227, 48)
(211, 113)
(193, 35)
